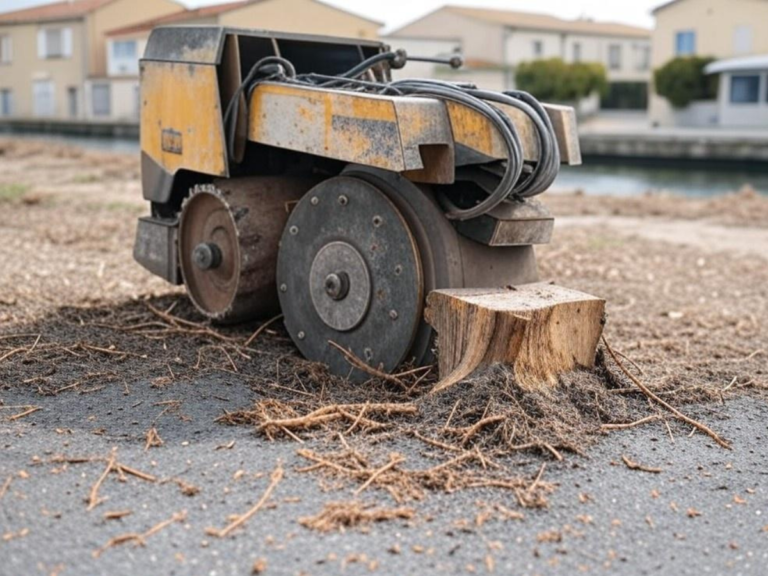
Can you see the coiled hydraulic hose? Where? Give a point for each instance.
(513, 183)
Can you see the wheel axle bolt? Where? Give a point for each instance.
(293, 230)
(283, 288)
(337, 285)
(343, 200)
(377, 220)
(207, 256)
(301, 335)
(398, 270)
(314, 201)
(393, 314)
(368, 353)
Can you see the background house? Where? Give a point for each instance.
(720, 29)
(494, 42)
(79, 59)
(743, 92)
(47, 53)
(125, 44)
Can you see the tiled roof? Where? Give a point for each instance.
(546, 22)
(56, 11)
(534, 21)
(199, 14)
(181, 16)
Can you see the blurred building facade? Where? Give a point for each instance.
(48, 53)
(721, 29)
(494, 42)
(79, 59)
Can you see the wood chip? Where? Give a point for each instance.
(635, 466)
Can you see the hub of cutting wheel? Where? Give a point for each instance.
(338, 281)
(207, 256)
(340, 286)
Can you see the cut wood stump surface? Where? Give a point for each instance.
(541, 330)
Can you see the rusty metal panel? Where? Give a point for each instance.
(425, 131)
(475, 132)
(181, 119)
(371, 130)
(192, 45)
(564, 122)
(423, 138)
(354, 128)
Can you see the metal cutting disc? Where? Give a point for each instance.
(209, 252)
(349, 272)
(229, 233)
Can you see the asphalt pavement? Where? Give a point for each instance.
(706, 512)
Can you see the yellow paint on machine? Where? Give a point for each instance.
(362, 129)
(475, 131)
(181, 118)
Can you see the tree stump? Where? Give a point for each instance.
(541, 330)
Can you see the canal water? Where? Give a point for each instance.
(593, 177)
(632, 179)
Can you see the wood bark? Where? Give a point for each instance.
(541, 330)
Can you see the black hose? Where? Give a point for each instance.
(231, 114)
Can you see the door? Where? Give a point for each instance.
(6, 103)
(73, 103)
(43, 98)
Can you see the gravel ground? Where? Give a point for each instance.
(689, 308)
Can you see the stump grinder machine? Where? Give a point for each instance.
(291, 173)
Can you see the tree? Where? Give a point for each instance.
(682, 80)
(555, 81)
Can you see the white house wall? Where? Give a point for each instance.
(480, 41)
(520, 48)
(124, 100)
(743, 115)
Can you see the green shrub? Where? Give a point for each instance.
(555, 81)
(682, 80)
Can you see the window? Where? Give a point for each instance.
(100, 95)
(6, 103)
(643, 54)
(43, 103)
(54, 43)
(72, 98)
(124, 49)
(614, 56)
(6, 49)
(538, 48)
(577, 52)
(685, 43)
(745, 89)
(742, 40)
(123, 58)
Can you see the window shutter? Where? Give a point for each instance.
(66, 42)
(42, 49)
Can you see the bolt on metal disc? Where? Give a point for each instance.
(338, 281)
